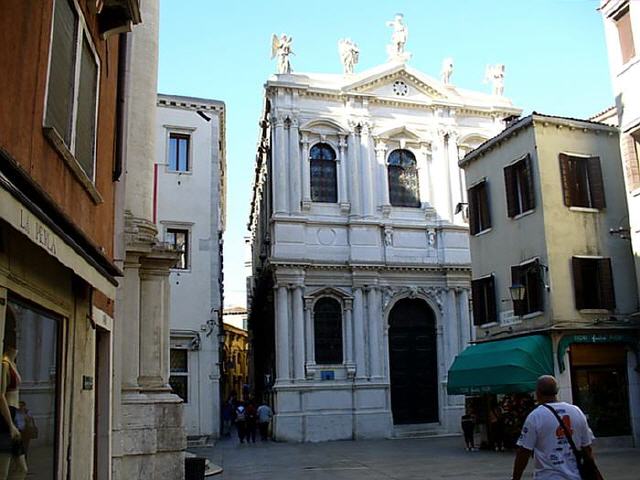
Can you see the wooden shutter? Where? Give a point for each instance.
(596, 185)
(607, 295)
(529, 195)
(473, 210)
(578, 283)
(483, 205)
(567, 172)
(86, 114)
(62, 70)
(625, 35)
(490, 292)
(516, 277)
(510, 190)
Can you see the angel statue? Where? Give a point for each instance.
(398, 38)
(447, 70)
(349, 53)
(281, 47)
(495, 75)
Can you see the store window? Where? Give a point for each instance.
(30, 368)
(179, 372)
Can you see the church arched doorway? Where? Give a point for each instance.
(413, 362)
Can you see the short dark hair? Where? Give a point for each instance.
(547, 385)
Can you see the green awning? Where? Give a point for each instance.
(502, 366)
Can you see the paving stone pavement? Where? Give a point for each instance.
(407, 459)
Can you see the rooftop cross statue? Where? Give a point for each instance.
(395, 49)
(349, 53)
(281, 48)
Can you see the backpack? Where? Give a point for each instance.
(240, 414)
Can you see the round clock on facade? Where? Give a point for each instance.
(400, 88)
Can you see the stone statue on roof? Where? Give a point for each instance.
(447, 70)
(395, 49)
(281, 48)
(495, 75)
(349, 53)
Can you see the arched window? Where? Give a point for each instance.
(327, 324)
(403, 179)
(323, 174)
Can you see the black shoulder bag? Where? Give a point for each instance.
(586, 465)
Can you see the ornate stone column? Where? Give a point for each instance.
(298, 332)
(359, 338)
(443, 198)
(343, 179)
(348, 337)
(131, 327)
(465, 324)
(310, 353)
(374, 311)
(454, 169)
(154, 320)
(451, 328)
(353, 150)
(368, 171)
(294, 167)
(381, 160)
(280, 173)
(282, 335)
(424, 175)
(306, 174)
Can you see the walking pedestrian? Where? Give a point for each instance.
(251, 422)
(468, 426)
(241, 422)
(227, 418)
(553, 432)
(496, 428)
(264, 417)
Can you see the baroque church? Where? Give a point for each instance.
(359, 297)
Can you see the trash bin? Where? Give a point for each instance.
(194, 468)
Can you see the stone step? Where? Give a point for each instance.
(424, 430)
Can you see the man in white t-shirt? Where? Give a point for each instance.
(542, 434)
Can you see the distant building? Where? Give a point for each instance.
(622, 31)
(237, 353)
(189, 212)
(553, 290)
(359, 296)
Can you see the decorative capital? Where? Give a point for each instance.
(308, 303)
(348, 304)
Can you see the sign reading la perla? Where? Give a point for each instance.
(37, 231)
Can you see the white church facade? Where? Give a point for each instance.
(359, 295)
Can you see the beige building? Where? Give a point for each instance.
(622, 31)
(553, 289)
(236, 362)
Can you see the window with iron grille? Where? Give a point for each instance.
(324, 187)
(179, 144)
(403, 179)
(179, 239)
(179, 372)
(327, 322)
(582, 183)
(72, 90)
(518, 182)
(483, 296)
(479, 214)
(529, 275)
(593, 283)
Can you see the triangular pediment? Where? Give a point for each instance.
(399, 82)
(399, 133)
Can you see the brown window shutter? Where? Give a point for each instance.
(473, 211)
(528, 191)
(625, 35)
(596, 185)
(607, 295)
(483, 203)
(516, 277)
(568, 179)
(510, 190)
(491, 299)
(578, 285)
(477, 298)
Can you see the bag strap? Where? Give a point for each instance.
(567, 433)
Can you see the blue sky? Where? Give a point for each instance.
(554, 53)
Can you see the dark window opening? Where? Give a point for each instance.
(518, 180)
(483, 296)
(327, 319)
(179, 152)
(179, 239)
(403, 179)
(593, 283)
(528, 275)
(324, 187)
(582, 182)
(479, 215)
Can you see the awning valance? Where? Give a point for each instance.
(502, 366)
(595, 337)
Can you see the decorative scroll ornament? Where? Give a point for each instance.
(435, 294)
(349, 54)
(281, 48)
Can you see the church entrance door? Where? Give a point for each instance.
(413, 362)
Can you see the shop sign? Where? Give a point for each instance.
(37, 231)
(593, 338)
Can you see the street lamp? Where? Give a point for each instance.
(517, 291)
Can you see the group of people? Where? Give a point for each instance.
(247, 418)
